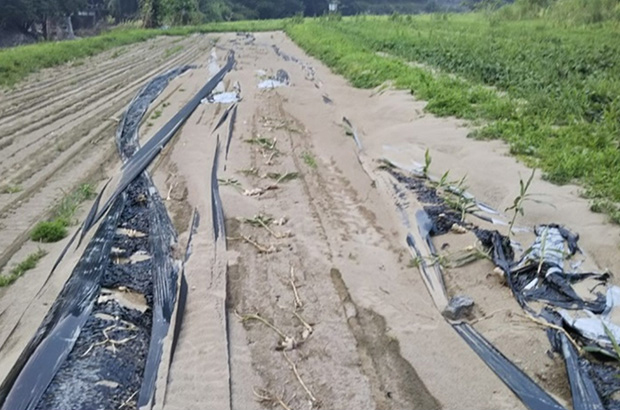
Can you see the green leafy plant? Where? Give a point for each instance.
(427, 162)
(517, 206)
(455, 195)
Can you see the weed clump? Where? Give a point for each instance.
(29, 263)
(55, 229)
(49, 231)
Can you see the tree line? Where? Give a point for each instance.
(23, 15)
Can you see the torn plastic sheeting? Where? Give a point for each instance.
(181, 303)
(283, 55)
(231, 128)
(583, 391)
(126, 134)
(555, 288)
(165, 274)
(229, 97)
(47, 350)
(540, 274)
(354, 132)
(308, 69)
(192, 232)
(504, 262)
(607, 380)
(219, 228)
(161, 237)
(281, 79)
(548, 247)
(592, 326)
(145, 155)
(223, 118)
(88, 221)
(127, 131)
(425, 226)
(530, 393)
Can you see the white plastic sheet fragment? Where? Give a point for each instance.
(592, 326)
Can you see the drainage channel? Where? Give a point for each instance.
(101, 345)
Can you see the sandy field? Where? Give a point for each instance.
(315, 252)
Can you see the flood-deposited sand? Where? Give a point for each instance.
(339, 264)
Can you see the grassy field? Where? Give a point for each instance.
(553, 93)
(18, 62)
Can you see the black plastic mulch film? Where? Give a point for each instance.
(589, 380)
(42, 377)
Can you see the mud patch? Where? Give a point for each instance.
(394, 382)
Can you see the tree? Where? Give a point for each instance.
(18, 14)
(315, 7)
(182, 11)
(152, 13)
(122, 9)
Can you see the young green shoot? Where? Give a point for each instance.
(427, 162)
(517, 206)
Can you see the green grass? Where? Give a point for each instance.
(10, 189)
(29, 263)
(49, 231)
(55, 228)
(173, 50)
(309, 159)
(17, 62)
(551, 92)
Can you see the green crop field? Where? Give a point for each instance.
(551, 92)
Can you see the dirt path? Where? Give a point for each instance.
(311, 298)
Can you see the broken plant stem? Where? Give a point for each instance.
(256, 316)
(276, 235)
(308, 327)
(113, 343)
(298, 304)
(257, 245)
(488, 316)
(264, 395)
(126, 402)
(270, 158)
(556, 327)
(299, 379)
